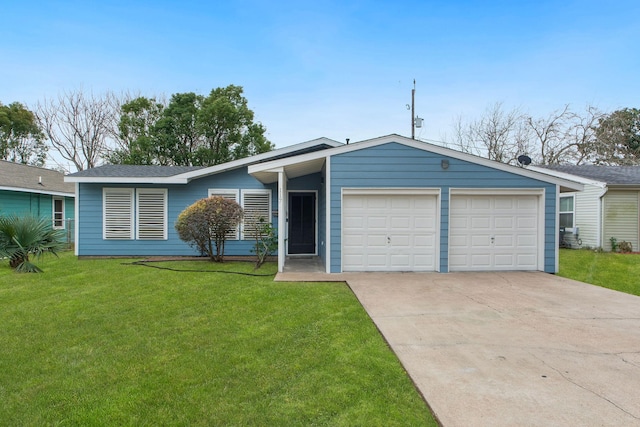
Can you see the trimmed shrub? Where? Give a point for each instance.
(206, 224)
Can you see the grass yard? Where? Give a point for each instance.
(620, 272)
(96, 342)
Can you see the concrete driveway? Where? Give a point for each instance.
(511, 349)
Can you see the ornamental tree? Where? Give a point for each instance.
(206, 224)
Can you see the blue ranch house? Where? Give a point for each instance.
(384, 204)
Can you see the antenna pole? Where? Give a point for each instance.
(413, 114)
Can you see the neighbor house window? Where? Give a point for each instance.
(151, 208)
(256, 204)
(229, 195)
(567, 212)
(117, 212)
(58, 213)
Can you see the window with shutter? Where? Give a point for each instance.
(228, 194)
(117, 213)
(151, 210)
(256, 205)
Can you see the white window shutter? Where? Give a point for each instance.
(117, 213)
(256, 205)
(152, 214)
(228, 194)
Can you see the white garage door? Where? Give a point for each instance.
(384, 232)
(493, 233)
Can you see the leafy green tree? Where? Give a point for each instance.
(206, 224)
(618, 138)
(136, 128)
(177, 135)
(24, 236)
(191, 130)
(226, 123)
(21, 139)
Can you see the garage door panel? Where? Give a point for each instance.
(479, 203)
(402, 223)
(482, 260)
(503, 222)
(503, 260)
(481, 222)
(493, 232)
(527, 222)
(480, 240)
(393, 232)
(376, 240)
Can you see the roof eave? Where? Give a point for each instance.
(176, 179)
(32, 190)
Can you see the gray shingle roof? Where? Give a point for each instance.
(134, 171)
(32, 178)
(616, 175)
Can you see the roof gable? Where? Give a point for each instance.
(32, 179)
(314, 161)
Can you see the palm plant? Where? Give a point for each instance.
(25, 236)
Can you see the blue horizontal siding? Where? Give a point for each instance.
(179, 197)
(36, 204)
(396, 165)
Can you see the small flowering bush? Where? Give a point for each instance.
(206, 224)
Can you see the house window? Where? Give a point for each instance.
(151, 208)
(117, 213)
(147, 216)
(567, 212)
(256, 205)
(229, 195)
(58, 213)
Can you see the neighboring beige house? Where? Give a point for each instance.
(608, 207)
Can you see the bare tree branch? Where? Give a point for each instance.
(80, 126)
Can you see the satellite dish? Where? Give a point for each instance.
(524, 160)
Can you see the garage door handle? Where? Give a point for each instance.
(493, 239)
(388, 240)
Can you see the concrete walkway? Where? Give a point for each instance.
(510, 349)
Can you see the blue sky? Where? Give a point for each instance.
(332, 68)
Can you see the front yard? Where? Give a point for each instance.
(99, 342)
(620, 272)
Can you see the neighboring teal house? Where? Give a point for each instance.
(385, 204)
(37, 191)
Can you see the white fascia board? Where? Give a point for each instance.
(571, 177)
(127, 180)
(572, 184)
(29, 190)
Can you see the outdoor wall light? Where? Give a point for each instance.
(444, 164)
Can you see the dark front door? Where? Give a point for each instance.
(302, 223)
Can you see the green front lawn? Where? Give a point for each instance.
(96, 342)
(620, 272)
